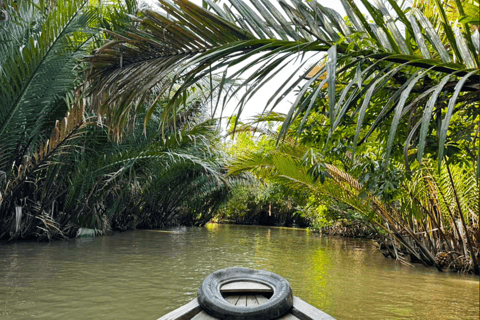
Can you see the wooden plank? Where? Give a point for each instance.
(232, 299)
(251, 301)
(185, 312)
(288, 316)
(242, 302)
(261, 299)
(204, 316)
(305, 311)
(245, 286)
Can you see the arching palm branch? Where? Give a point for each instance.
(379, 72)
(39, 55)
(41, 46)
(53, 179)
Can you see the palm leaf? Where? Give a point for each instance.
(36, 71)
(446, 121)
(427, 115)
(398, 112)
(176, 47)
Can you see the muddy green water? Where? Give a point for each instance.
(145, 274)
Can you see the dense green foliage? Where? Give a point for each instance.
(397, 89)
(431, 218)
(41, 47)
(254, 198)
(368, 62)
(384, 131)
(60, 172)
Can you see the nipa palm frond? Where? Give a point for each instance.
(364, 60)
(64, 131)
(39, 56)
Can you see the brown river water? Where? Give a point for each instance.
(145, 274)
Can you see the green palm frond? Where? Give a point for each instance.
(466, 191)
(287, 166)
(176, 42)
(62, 141)
(40, 53)
(140, 58)
(164, 180)
(447, 202)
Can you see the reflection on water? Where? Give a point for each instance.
(145, 274)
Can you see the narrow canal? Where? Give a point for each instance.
(145, 274)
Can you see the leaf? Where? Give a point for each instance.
(398, 113)
(312, 98)
(37, 69)
(478, 163)
(279, 17)
(432, 35)
(334, 17)
(382, 37)
(397, 36)
(448, 30)
(368, 96)
(471, 20)
(217, 9)
(270, 19)
(252, 19)
(290, 114)
(448, 116)
(237, 19)
(346, 90)
(289, 89)
(331, 68)
(419, 38)
(318, 22)
(296, 20)
(427, 114)
(476, 40)
(380, 22)
(401, 15)
(357, 93)
(464, 49)
(356, 17)
(191, 43)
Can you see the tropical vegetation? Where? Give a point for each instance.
(61, 173)
(401, 82)
(384, 129)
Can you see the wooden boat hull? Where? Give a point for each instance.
(301, 311)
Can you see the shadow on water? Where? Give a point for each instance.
(145, 274)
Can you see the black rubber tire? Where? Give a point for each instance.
(211, 300)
